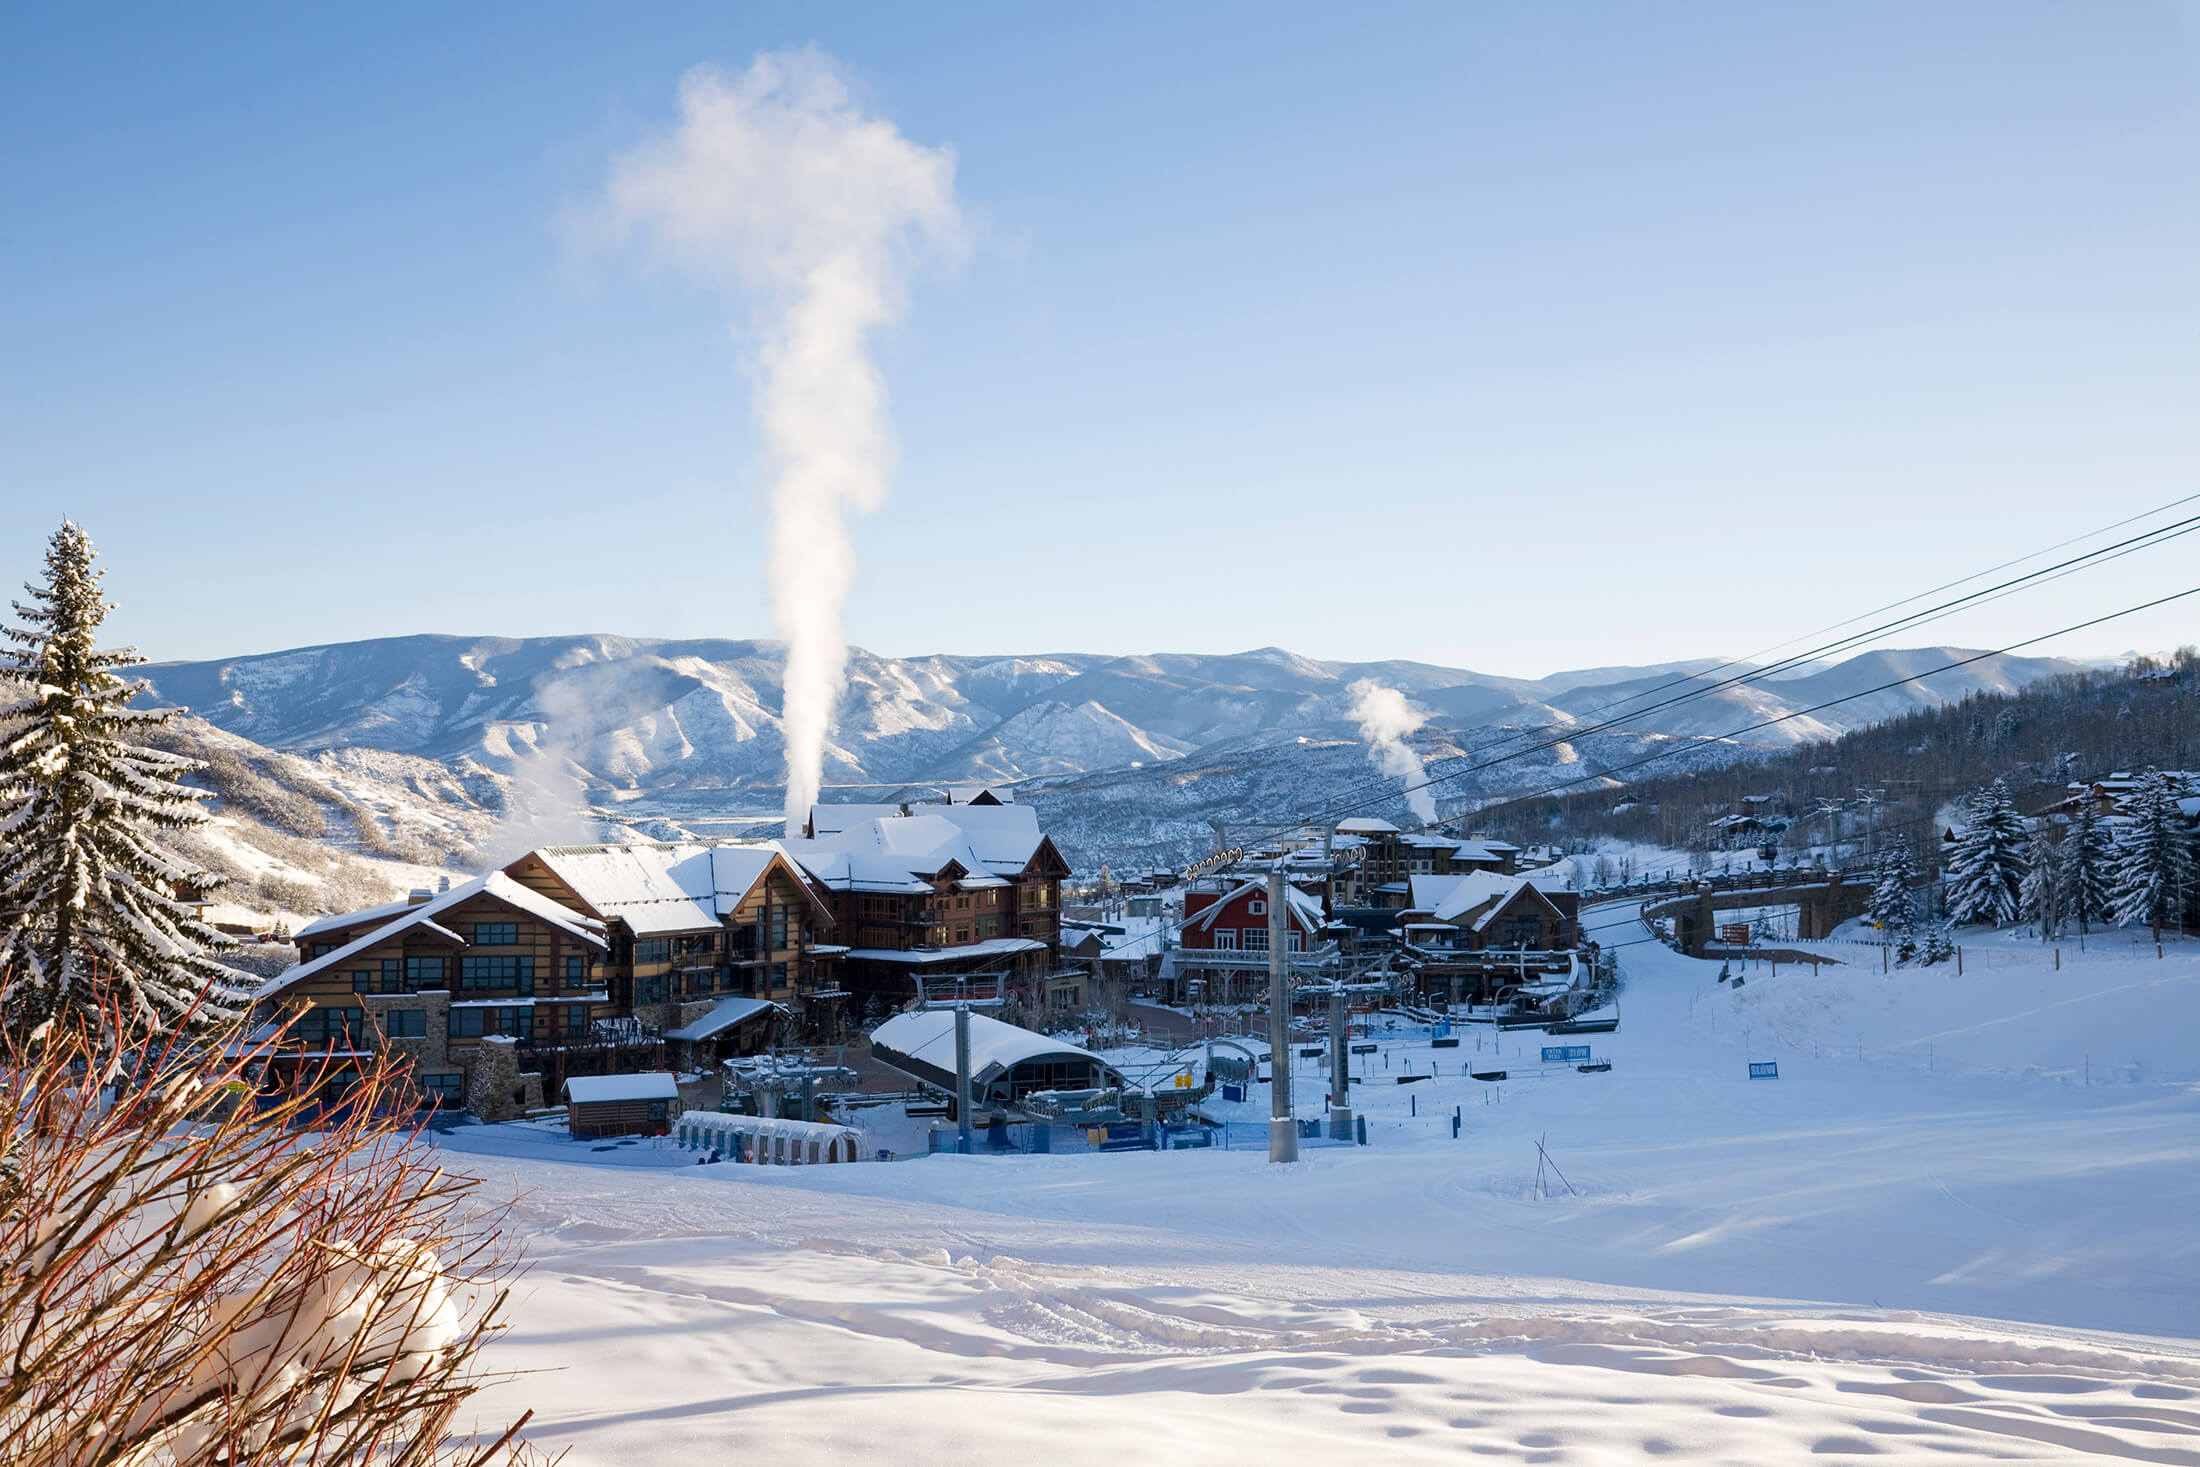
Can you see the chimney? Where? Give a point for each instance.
(418, 896)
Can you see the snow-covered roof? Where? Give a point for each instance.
(595, 1089)
(1304, 907)
(662, 887)
(723, 1015)
(772, 1126)
(1473, 899)
(989, 948)
(351, 919)
(422, 915)
(877, 848)
(1125, 939)
(1480, 850)
(928, 1036)
(1367, 825)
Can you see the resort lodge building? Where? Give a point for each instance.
(608, 959)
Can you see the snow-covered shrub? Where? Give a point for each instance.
(190, 1275)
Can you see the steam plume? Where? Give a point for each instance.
(775, 189)
(1385, 719)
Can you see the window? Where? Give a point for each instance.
(321, 1026)
(1225, 939)
(466, 1023)
(576, 969)
(1522, 932)
(1253, 939)
(988, 927)
(496, 934)
(650, 990)
(476, 973)
(520, 1023)
(962, 934)
(443, 1090)
(962, 903)
(423, 973)
(779, 975)
(576, 1016)
(1257, 906)
(778, 928)
(362, 980)
(652, 950)
(405, 1023)
(320, 949)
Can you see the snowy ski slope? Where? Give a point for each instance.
(1828, 1265)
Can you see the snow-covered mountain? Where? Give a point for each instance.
(656, 734)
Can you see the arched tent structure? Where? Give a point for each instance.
(1007, 1063)
(768, 1141)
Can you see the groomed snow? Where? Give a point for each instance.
(1821, 1266)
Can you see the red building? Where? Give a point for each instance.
(1224, 956)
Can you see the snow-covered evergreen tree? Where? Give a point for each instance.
(1987, 869)
(2046, 891)
(90, 921)
(1893, 903)
(1939, 947)
(2089, 869)
(2154, 858)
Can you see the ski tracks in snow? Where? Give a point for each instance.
(765, 1334)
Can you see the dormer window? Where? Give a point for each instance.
(1258, 907)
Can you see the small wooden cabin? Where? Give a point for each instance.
(621, 1105)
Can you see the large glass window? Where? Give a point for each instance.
(650, 990)
(778, 928)
(520, 1023)
(405, 1023)
(466, 1023)
(496, 934)
(476, 972)
(423, 973)
(321, 1026)
(576, 969)
(443, 1090)
(649, 950)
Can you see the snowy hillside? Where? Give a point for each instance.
(1942, 1246)
(650, 731)
(351, 827)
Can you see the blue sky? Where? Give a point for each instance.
(1513, 337)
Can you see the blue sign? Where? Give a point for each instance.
(1565, 1054)
(1233, 1092)
(1764, 1069)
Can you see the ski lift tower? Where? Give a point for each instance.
(1340, 1050)
(1283, 1130)
(962, 994)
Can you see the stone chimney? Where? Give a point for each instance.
(418, 896)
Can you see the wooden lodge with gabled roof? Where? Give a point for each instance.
(692, 926)
(1478, 938)
(924, 892)
(436, 975)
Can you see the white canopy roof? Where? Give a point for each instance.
(592, 1089)
(928, 1035)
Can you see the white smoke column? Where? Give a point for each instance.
(773, 187)
(1385, 719)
